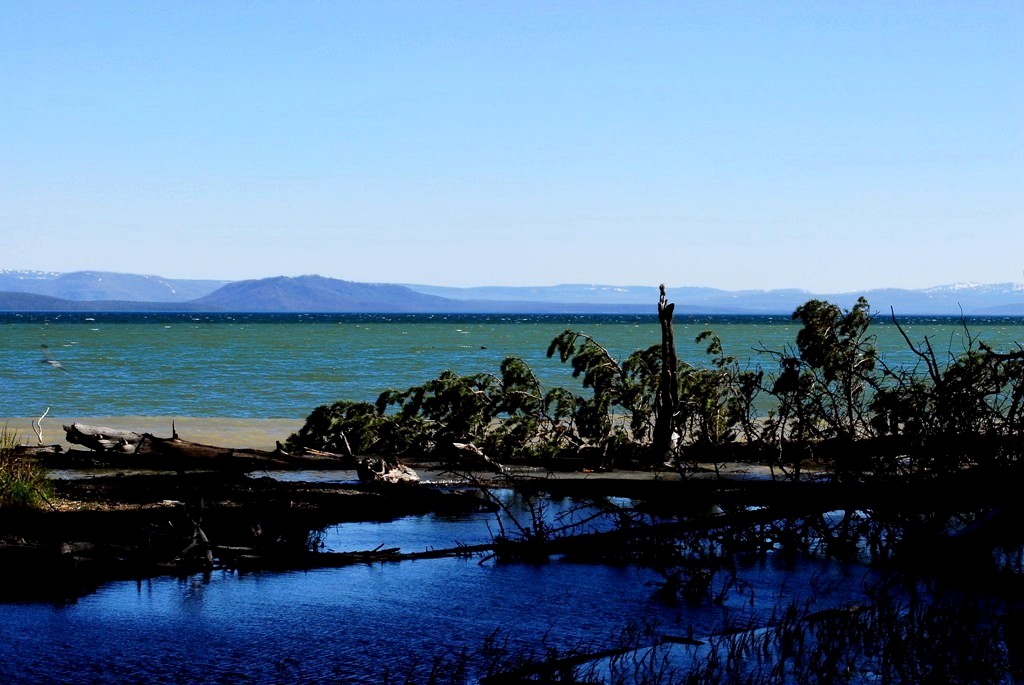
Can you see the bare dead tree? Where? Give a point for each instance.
(668, 387)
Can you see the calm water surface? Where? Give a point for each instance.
(349, 624)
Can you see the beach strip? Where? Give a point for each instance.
(261, 434)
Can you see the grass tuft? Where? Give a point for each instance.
(23, 481)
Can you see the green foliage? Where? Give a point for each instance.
(339, 428)
(717, 403)
(23, 482)
(828, 398)
(507, 416)
(532, 423)
(640, 392)
(834, 341)
(838, 357)
(942, 415)
(627, 391)
(600, 372)
(429, 418)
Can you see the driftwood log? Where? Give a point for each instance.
(35, 451)
(126, 449)
(473, 458)
(103, 439)
(384, 471)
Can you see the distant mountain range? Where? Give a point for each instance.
(971, 299)
(106, 291)
(99, 285)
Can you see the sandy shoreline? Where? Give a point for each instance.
(263, 434)
(223, 432)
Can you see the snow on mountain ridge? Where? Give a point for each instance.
(976, 287)
(29, 274)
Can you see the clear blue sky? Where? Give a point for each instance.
(833, 146)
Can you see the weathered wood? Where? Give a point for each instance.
(103, 439)
(34, 451)
(384, 471)
(116, 448)
(473, 458)
(668, 384)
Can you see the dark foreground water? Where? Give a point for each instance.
(354, 624)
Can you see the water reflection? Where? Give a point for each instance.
(349, 624)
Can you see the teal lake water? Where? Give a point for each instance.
(282, 366)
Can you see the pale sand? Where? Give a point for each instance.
(223, 432)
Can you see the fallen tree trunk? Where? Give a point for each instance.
(103, 439)
(115, 448)
(36, 451)
(184, 455)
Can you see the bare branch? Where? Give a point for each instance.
(929, 357)
(37, 426)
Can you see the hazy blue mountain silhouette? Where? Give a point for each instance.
(972, 299)
(319, 294)
(31, 302)
(105, 291)
(105, 285)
